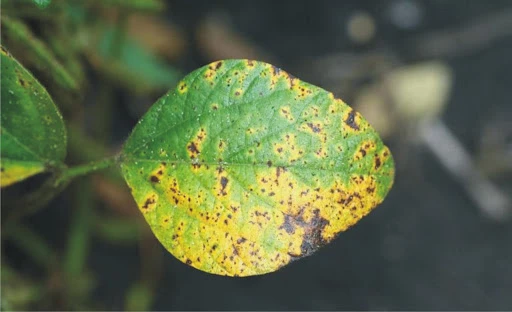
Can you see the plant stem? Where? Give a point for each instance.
(53, 187)
(69, 174)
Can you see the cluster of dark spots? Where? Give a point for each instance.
(154, 179)
(269, 163)
(2, 169)
(166, 220)
(288, 224)
(223, 183)
(312, 239)
(314, 128)
(237, 93)
(193, 148)
(350, 121)
(370, 190)
(241, 240)
(250, 63)
(218, 65)
(226, 221)
(221, 144)
(276, 70)
(183, 86)
(175, 236)
(215, 107)
(198, 259)
(189, 262)
(290, 78)
(279, 149)
(271, 194)
(378, 162)
(385, 154)
(220, 169)
(148, 202)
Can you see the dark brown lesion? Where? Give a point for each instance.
(194, 151)
(223, 184)
(378, 162)
(312, 238)
(154, 179)
(351, 120)
(314, 128)
(22, 82)
(276, 70)
(149, 201)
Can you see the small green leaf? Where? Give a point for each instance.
(136, 68)
(42, 3)
(33, 136)
(243, 168)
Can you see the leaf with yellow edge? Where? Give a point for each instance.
(32, 135)
(242, 168)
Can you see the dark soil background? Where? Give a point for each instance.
(428, 246)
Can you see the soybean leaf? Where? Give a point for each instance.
(243, 168)
(18, 37)
(32, 135)
(136, 68)
(42, 3)
(130, 5)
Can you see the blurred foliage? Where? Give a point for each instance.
(84, 53)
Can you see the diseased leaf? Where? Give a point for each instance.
(243, 168)
(33, 136)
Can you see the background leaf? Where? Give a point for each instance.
(135, 68)
(42, 3)
(243, 168)
(17, 35)
(33, 135)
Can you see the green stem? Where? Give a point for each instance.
(69, 174)
(32, 244)
(31, 203)
(78, 236)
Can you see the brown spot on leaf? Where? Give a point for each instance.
(350, 121)
(154, 179)
(193, 148)
(314, 128)
(378, 162)
(223, 183)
